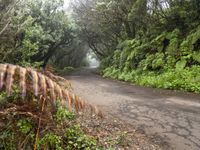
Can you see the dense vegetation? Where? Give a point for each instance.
(39, 111)
(148, 42)
(38, 32)
(152, 43)
(36, 112)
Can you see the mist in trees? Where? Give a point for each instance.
(106, 23)
(149, 42)
(38, 32)
(131, 34)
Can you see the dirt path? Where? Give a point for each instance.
(172, 115)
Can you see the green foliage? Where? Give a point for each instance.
(53, 141)
(111, 72)
(157, 44)
(158, 62)
(30, 46)
(64, 114)
(105, 63)
(166, 60)
(77, 140)
(24, 125)
(6, 140)
(180, 65)
(66, 134)
(196, 56)
(185, 79)
(61, 131)
(191, 42)
(65, 70)
(3, 100)
(40, 32)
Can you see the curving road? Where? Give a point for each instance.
(175, 116)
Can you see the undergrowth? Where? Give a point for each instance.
(65, 70)
(167, 61)
(59, 132)
(36, 112)
(186, 79)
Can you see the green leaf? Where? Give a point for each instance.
(181, 64)
(196, 56)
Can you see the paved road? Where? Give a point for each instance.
(172, 115)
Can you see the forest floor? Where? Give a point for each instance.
(169, 119)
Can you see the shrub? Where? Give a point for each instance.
(176, 79)
(65, 70)
(166, 61)
(36, 111)
(78, 140)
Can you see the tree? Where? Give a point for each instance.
(41, 29)
(98, 27)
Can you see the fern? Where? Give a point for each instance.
(196, 56)
(40, 85)
(181, 64)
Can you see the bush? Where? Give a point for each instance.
(187, 79)
(34, 112)
(65, 70)
(19, 132)
(76, 139)
(166, 61)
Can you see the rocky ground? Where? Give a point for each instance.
(114, 134)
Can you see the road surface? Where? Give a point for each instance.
(175, 116)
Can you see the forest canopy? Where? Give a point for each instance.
(131, 38)
(154, 43)
(105, 24)
(149, 42)
(38, 32)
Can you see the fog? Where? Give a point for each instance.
(93, 61)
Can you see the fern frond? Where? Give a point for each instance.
(40, 85)
(51, 88)
(34, 81)
(58, 79)
(69, 100)
(22, 73)
(3, 68)
(58, 91)
(10, 78)
(43, 85)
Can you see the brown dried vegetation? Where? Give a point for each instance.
(41, 85)
(36, 96)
